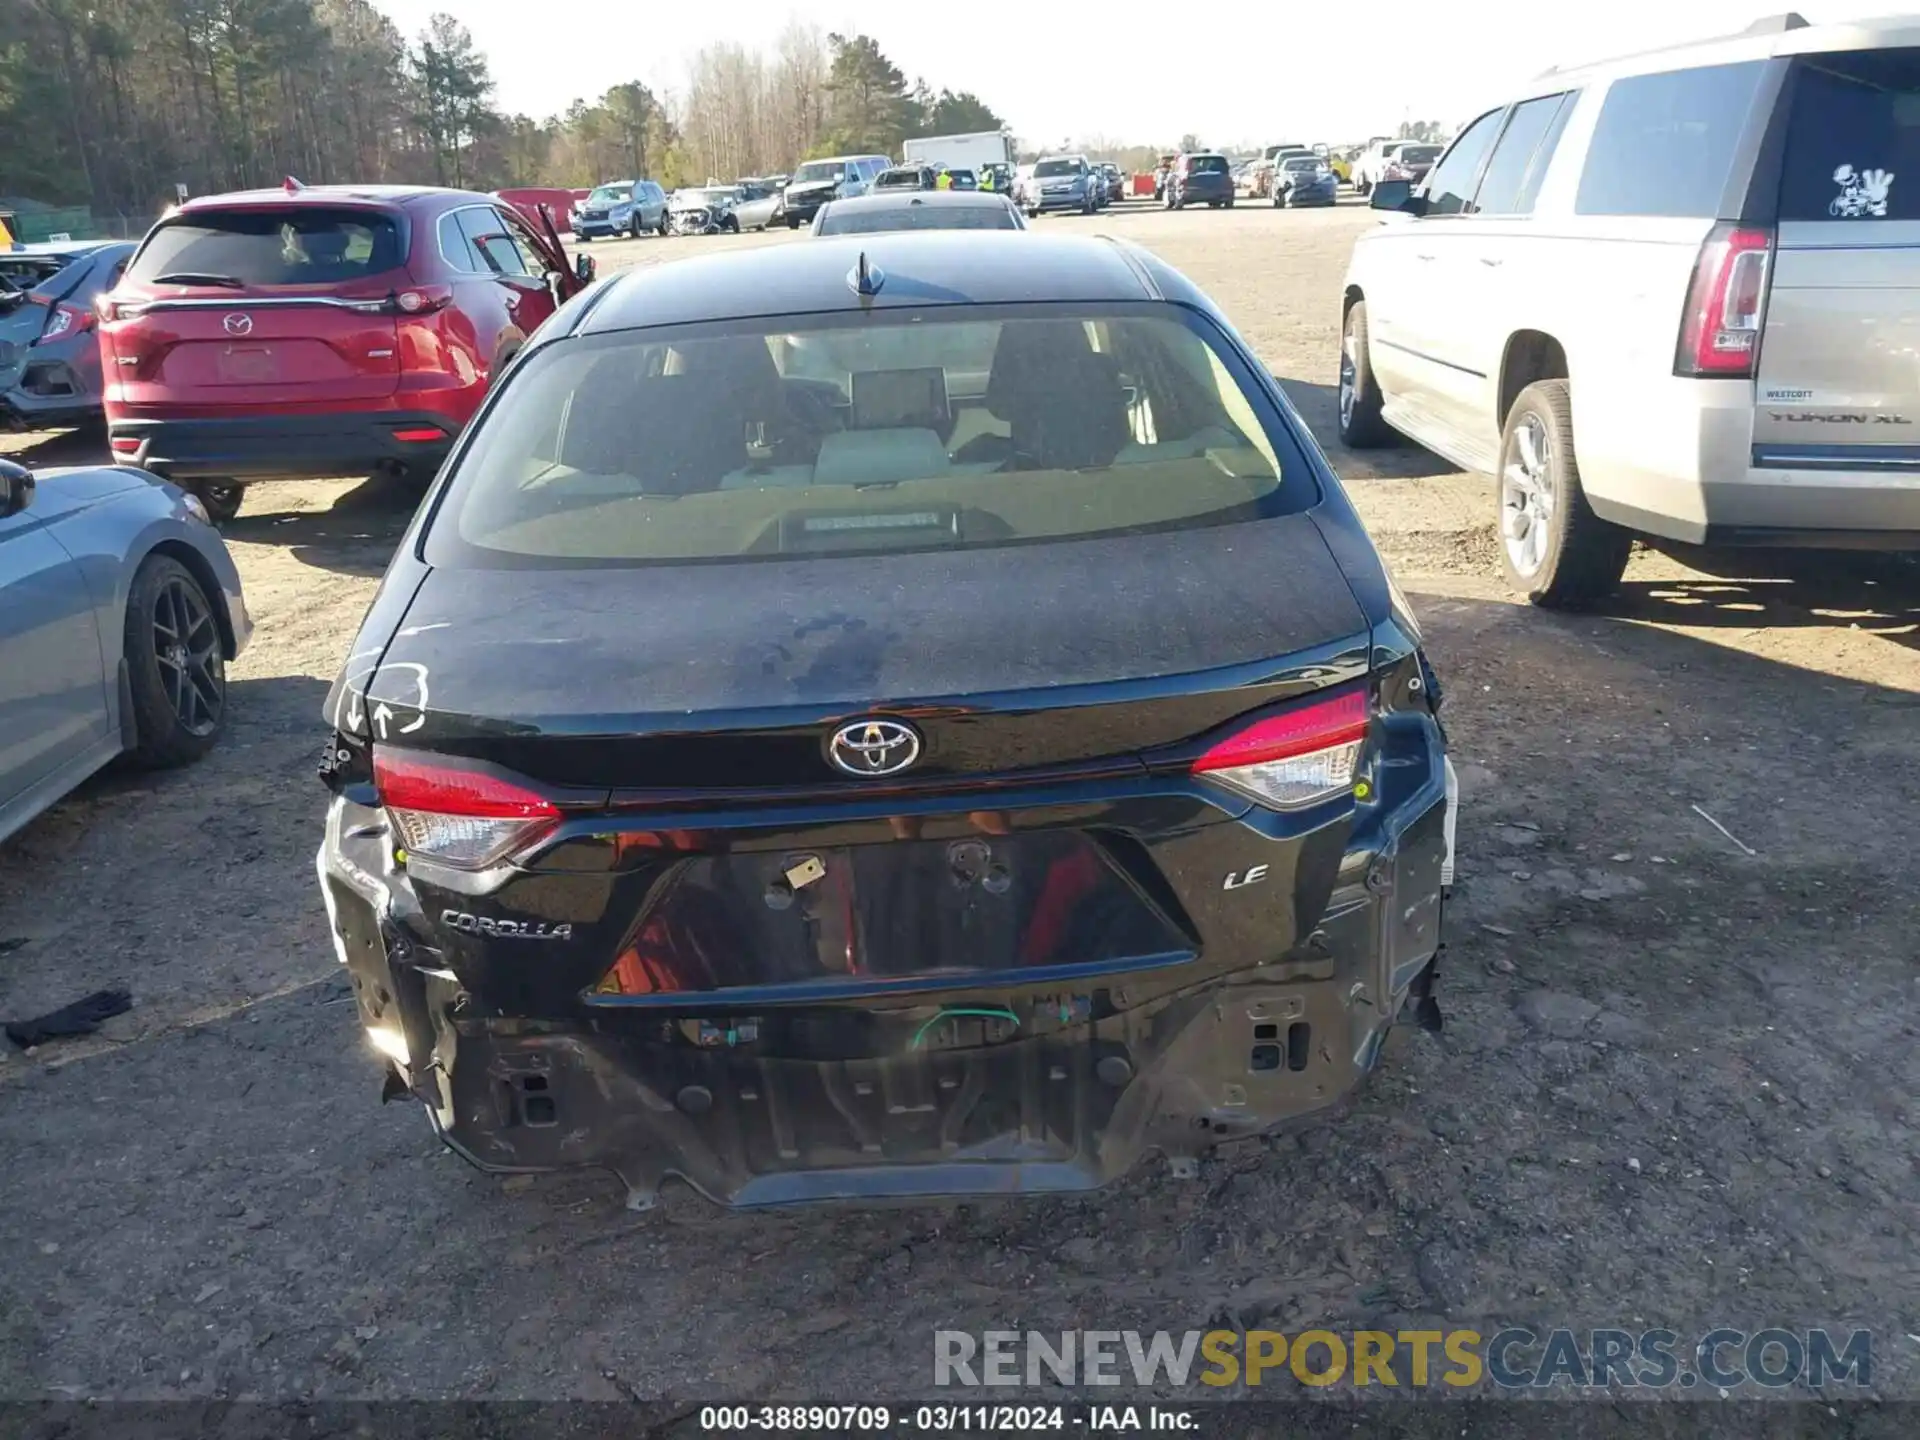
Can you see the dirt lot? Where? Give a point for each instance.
(1677, 1085)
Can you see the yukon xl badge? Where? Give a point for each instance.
(504, 929)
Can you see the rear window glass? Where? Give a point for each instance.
(1419, 154)
(917, 217)
(304, 246)
(1664, 144)
(1208, 165)
(912, 431)
(62, 280)
(1853, 141)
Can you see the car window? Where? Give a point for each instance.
(1052, 169)
(54, 286)
(1664, 143)
(1450, 184)
(298, 245)
(839, 220)
(1209, 165)
(455, 247)
(1520, 157)
(492, 243)
(1014, 424)
(1853, 131)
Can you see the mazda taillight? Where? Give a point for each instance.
(454, 815)
(1295, 757)
(1720, 329)
(423, 299)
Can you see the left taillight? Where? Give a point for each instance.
(1294, 757)
(65, 320)
(455, 815)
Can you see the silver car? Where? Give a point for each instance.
(1706, 339)
(119, 610)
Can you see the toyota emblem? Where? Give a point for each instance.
(874, 747)
(238, 324)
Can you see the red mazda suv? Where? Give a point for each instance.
(319, 330)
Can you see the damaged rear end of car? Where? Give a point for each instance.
(935, 803)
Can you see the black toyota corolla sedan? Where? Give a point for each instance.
(909, 715)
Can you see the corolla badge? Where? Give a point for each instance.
(874, 747)
(238, 324)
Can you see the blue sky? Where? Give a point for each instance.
(1242, 70)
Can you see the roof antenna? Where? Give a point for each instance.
(292, 186)
(866, 279)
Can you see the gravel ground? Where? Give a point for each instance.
(1677, 1084)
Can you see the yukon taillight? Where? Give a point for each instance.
(1720, 329)
(1298, 756)
(457, 816)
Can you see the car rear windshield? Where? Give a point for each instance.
(1047, 168)
(1854, 131)
(897, 430)
(307, 245)
(1207, 165)
(1419, 154)
(873, 221)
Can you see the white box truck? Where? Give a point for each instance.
(960, 152)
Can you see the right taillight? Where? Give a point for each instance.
(1720, 330)
(463, 817)
(1294, 757)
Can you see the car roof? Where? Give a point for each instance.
(331, 195)
(1767, 38)
(927, 267)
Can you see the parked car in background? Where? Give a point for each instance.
(918, 210)
(905, 177)
(1063, 182)
(1411, 162)
(1254, 180)
(1303, 180)
(622, 207)
(120, 609)
(318, 330)
(704, 210)
(1200, 179)
(758, 205)
(529, 200)
(1116, 182)
(1370, 168)
(818, 181)
(1734, 365)
(49, 353)
(1182, 847)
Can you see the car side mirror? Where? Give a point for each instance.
(16, 488)
(1395, 195)
(584, 267)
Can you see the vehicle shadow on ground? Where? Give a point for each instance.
(1319, 406)
(355, 535)
(87, 446)
(1754, 590)
(270, 1183)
